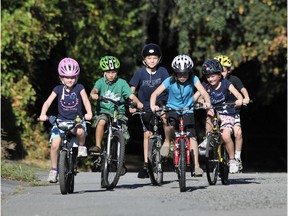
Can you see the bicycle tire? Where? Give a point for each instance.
(154, 161)
(212, 160)
(113, 163)
(182, 165)
(72, 171)
(63, 171)
(224, 167)
(192, 164)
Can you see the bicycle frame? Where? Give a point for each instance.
(181, 134)
(216, 163)
(114, 149)
(67, 157)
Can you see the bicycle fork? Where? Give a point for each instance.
(176, 150)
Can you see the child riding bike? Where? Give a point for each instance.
(180, 88)
(113, 87)
(219, 90)
(144, 82)
(70, 96)
(227, 64)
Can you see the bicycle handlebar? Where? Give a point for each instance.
(117, 103)
(225, 104)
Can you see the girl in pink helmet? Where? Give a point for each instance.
(70, 97)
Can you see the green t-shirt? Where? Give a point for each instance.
(118, 91)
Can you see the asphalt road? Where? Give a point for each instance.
(257, 194)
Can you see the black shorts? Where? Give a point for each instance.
(189, 122)
(149, 118)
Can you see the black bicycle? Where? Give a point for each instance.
(155, 143)
(216, 155)
(112, 156)
(67, 156)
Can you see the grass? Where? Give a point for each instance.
(21, 171)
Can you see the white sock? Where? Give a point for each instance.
(237, 154)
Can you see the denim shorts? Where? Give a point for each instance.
(56, 132)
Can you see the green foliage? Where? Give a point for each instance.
(20, 172)
(27, 37)
(246, 31)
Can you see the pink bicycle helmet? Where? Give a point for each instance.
(68, 67)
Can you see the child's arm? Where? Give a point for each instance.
(201, 91)
(46, 105)
(136, 100)
(94, 94)
(237, 94)
(154, 96)
(86, 104)
(246, 98)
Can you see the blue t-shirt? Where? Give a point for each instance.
(146, 84)
(220, 96)
(69, 103)
(180, 95)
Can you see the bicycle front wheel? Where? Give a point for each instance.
(66, 178)
(224, 167)
(154, 161)
(212, 160)
(113, 162)
(182, 165)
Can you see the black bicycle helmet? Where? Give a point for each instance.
(211, 66)
(151, 49)
(182, 64)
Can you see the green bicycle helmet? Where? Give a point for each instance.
(108, 63)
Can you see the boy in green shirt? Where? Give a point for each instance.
(110, 86)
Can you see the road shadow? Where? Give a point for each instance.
(243, 181)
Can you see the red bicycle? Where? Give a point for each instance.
(182, 157)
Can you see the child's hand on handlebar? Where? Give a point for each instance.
(88, 116)
(43, 118)
(206, 105)
(238, 103)
(154, 108)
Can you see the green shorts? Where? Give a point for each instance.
(121, 118)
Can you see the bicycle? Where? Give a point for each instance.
(216, 155)
(67, 156)
(155, 143)
(111, 158)
(182, 157)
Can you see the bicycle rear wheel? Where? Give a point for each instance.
(212, 160)
(224, 167)
(66, 178)
(154, 161)
(113, 163)
(182, 165)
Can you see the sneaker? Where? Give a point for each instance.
(82, 151)
(95, 149)
(198, 172)
(239, 162)
(143, 172)
(203, 144)
(52, 178)
(164, 151)
(233, 166)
